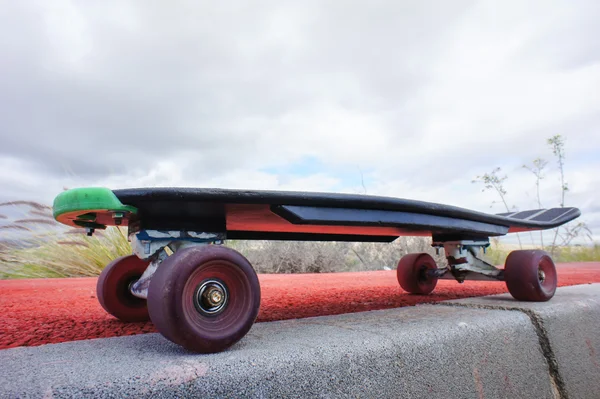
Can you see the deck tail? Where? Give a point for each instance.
(541, 215)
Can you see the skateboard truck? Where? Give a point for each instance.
(464, 261)
(151, 245)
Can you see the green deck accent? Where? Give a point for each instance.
(88, 199)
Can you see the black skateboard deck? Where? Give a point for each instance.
(286, 215)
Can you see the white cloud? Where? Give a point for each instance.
(420, 96)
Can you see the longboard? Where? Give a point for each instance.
(205, 296)
(280, 215)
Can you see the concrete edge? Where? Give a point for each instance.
(567, 329)
(478, 347)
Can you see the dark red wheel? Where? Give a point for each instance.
(412, 273)
(204, 298)
(113, 289)
(530, 275)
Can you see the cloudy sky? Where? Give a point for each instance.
(402, 98)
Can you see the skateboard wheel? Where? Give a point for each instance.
(530, 275)
(113, 292)
(411, 273)
(204, 298)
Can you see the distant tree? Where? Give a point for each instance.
(564, 235)
(569, 232)
(491, 181)
(557, 143)
(537, 168)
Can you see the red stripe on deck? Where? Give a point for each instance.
(36, 312)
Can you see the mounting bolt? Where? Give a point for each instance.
(215, 296)
(118, 218)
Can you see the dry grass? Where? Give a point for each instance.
(51, 255)
(38, 246)
(324, 257)
(498, 252)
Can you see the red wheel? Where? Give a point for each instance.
(530, 275)
(412, 276)
(204, 298)
(113, 289)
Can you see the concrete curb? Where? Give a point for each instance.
(490, 347)
(567, 328)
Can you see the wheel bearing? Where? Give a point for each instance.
(541, 275)
(211, 297)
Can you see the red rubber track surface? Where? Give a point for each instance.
(36, 312)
